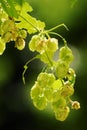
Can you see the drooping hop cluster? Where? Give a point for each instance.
(9, 32)
(55, 85)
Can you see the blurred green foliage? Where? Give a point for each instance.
(16, 109)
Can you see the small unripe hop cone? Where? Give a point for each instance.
(75, 105)
(20, 43)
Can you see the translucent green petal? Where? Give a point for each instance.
(62, 114)
(40, 102)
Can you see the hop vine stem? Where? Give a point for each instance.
(60, 25)
(50, 31)
(55, 83)
(49, 59)
(64, 40)
(26, 67)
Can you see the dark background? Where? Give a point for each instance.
(16, 109)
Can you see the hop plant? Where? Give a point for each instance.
(55, 83)
(42, 44)
(10, 32)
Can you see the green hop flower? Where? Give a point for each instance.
(45, 79)
(52, 44)
(66, 54)
(67, 90)
(36, 91)
(40, 102)
(61, 69)
(61, 103)
(20, 43)
(62, 114)
(75, 105)
(38, 44)
(48, 93)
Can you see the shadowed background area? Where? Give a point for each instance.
(16, 109)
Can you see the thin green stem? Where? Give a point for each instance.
(49, 59)
(60, 25)
(47, 35)
(26, 67)
(64, 40)
(30, 23)
(44, 68)
(62, 81)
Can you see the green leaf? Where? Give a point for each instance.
(20, 2)
(9, 8)
(27, 21)
(24, 8)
